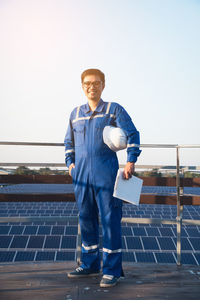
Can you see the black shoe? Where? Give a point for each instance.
(108, 281)
(80, 273)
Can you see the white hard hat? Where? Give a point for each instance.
(114, 138)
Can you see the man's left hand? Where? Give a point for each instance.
(129, 170)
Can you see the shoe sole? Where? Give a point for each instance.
(107, 285)
(82, 276)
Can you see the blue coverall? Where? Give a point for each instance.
(96, 167)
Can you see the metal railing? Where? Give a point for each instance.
(179, 221)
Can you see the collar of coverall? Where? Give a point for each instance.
(86, 109)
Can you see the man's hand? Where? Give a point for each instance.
(129, 170)
(70, 168)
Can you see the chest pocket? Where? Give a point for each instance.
(101, 122)
(79, 133)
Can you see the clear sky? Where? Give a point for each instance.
(149, 51)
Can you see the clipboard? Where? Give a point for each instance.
(128, 190)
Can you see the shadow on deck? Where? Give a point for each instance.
(142, 281)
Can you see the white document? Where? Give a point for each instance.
(128, 190)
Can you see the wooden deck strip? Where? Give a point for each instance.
(142, 281)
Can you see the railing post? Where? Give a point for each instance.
(78, 248)
(179, 208)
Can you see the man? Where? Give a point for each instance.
(93, 167)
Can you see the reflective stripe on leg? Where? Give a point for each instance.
(112, 251)
(92, 247)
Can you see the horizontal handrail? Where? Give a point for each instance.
(62, 144)
(47, 144)
(39, 164)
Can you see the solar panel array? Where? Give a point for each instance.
(57, 241)
(68, 188)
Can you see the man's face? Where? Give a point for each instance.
(93, 87)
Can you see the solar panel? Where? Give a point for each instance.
(45, 256)
(36, 242)
(68, 242)
(58, 230)
(44, 230)
(72, 230)
(166, 231)
(139, 231)
(25, 256)
(133, 242)
(19, 241)
(52, 242)
(4, 229)
(183, 232)
(16, 229)
(152, 231)
(188, 258)
(7, 256)
(128, 256)
(193, 232)
(165, 258)
(30, 230)
(126, 231)
(166, 243)
(145, 257)
(150, 243)
(195, 243)
(197, 256)
(5, 241)
(63, 256)
(185, 244)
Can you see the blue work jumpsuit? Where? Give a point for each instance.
(96, 167)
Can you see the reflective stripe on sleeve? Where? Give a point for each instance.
(69, 151)
(90, 247)
(132, 145)
(112, 251)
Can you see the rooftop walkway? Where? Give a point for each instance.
(41, 281)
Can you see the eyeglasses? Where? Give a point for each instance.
(88, 84)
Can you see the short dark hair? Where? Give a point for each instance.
(93, 72)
